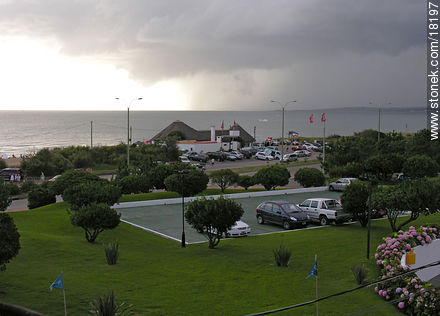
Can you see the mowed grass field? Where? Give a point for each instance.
(157, 277)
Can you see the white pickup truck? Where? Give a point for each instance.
(324, 211)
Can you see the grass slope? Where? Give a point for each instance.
(159, 278)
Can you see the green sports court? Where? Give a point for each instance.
(166, 220)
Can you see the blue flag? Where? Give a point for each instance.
(314, 271)
(58, 283)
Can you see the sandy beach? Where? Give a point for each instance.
(13, 162)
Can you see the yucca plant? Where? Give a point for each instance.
(282, 256)
(106, 306)
(112, 252)
(360, 272)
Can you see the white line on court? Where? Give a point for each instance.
(150, 230)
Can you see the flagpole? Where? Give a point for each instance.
(323, 144)
(316, 260)
(65, 308)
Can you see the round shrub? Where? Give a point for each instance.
(28, 186)
(273, 176)
(9, 240)
(40, 196)
(135, 183)
(12, 188)
(310, 177)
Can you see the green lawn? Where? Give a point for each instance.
(159, 278)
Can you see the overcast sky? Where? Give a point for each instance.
(211, 54)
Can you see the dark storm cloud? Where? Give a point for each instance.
(232, 40)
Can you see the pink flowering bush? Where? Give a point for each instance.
(417, 296)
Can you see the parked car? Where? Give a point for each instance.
(276, 154)
(237, 154)
(340, 184)
(239, 229)
(184, 159)
(282, 213)
(191, 155)
(199, 166)
(290, 157)
(303, 153)
(230, 157)
(217, 155)
(6, 174)
(263, 156)
(201, 157)
(246, 153)
(299, 147)
(324, 211)
(54, 178)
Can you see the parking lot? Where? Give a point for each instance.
(166, 220)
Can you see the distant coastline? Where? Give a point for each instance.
(24, 132)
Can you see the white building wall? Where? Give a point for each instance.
(199, 148)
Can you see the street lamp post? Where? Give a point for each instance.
(128, 129)
(182, 173)
(282, 124)
(378, 121)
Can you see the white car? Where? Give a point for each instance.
(340, 184)
(263, 156)
(290, 157)
(237, 154)
(239, 229)
(303, 153)
(184, 159)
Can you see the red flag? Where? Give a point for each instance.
(323, 117)
(223, 125)
(311, 118)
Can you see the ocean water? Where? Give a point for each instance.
(23, 132)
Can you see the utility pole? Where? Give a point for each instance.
(91, 134)
(282, 124)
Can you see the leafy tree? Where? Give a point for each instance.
(420, 166)
(9, 240)
(190, 183)
(172, 152)
(12, 188)
(74, 177)
(159, 173)
(91, 192)
(28, 186)
(94, 219)
(213, 217)
(354, 200)
(135, 183)
(82, 159)
(379, 166)
(5, 200)
(40, 196)
(310, 177)
(224, 178)
(246, 181)
(420, 196)
(2, 164)
(42, 161)
(350, 149)
(350, 170)
(273, 176)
